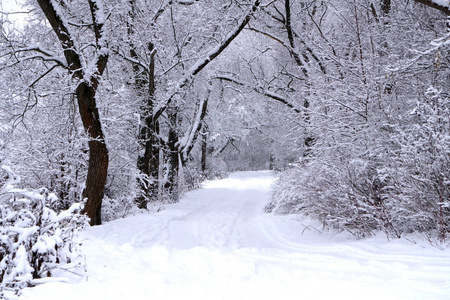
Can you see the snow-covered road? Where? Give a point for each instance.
(216, 243)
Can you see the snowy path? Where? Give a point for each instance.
(217, 244)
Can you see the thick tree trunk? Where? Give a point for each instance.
(85, 92)
(98, 153)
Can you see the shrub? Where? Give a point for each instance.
(36, 238)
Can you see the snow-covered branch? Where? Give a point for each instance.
(44, 55)
(131, 60)
(261, 91)
(102, 55)
(188, 141)
(31, 57)
(205, 60)
(60, 26)
(36, 48)
(186, 2)
(436, 46)
(98, 18)
(42, 76)
(290, 34)
(291, 50)
(441, 5)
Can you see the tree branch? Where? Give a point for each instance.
(42, 76)
(204, 61)
(435, 5)
(262, 91)
(44, 58)
(60, 27)
(188, 141)
(290, 35)
(99, 18)
(131, 60)
(47, 55)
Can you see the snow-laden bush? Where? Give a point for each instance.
(36, 239)
(423, 163)
(404, 188)
(354, 198)
(118, 207)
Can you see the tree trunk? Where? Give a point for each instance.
(204, 147)
(386, 7)
(98, 153)
(290, 33)
(85, 92)
(171, 184)
(173, 162)
(148, 163)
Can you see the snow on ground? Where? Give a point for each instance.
(216, 243)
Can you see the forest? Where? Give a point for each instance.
(112, 107)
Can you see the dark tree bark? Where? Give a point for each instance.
(85, 93)
(290, 34)
(430, 3)
(148, 163)
(204, 147)
(271, 162)
(386, 7)
(98, 153)
(173, 161)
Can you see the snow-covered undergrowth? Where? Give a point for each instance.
(217, 243)
(364, 200)
(397, 180)
(37, 240)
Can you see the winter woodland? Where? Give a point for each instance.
(111, 108)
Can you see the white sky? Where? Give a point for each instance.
(13, 6)
(9, 5)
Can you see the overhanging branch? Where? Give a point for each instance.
(204, 61)
(435, 5)
(261, 91)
